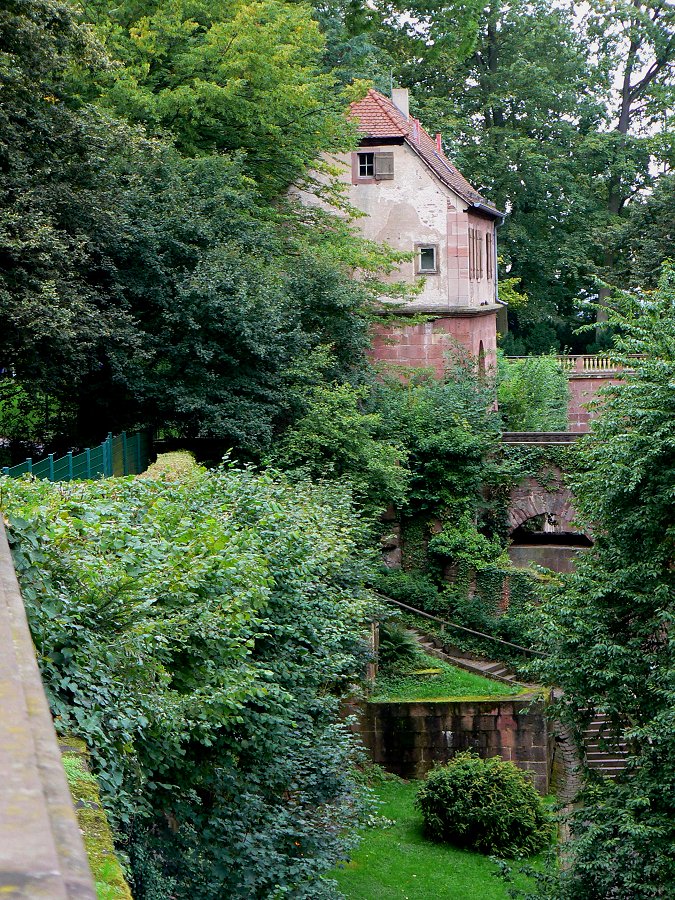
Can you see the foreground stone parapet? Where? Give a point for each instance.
(42, 856)
(408, 739)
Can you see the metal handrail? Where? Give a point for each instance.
(490, 637)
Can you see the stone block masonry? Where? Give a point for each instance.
(429, 345)
(408, 739)
(584, 390)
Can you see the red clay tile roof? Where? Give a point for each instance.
(380, 118)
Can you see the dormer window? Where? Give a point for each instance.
(373, 166)
(426, 259)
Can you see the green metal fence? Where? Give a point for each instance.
(120, 455)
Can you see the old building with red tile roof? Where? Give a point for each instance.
(416, 200)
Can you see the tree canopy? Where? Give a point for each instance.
(610, 625)
(145, 282)
(225, 77)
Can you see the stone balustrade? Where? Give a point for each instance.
(583, 364)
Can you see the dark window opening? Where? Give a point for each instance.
(366, 165)
(427, 259)
(526, 536)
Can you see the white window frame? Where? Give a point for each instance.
(419, 247)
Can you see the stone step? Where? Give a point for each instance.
(495, 668)
(604, 752)
(485, 667)
(603, 746)
(602, 761)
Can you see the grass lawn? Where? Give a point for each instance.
(428, 678)
(398, 863)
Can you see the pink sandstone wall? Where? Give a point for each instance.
(409, 739)
(425, 345)
(583, 388)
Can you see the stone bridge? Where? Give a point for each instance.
(541, 515)
(552, 504)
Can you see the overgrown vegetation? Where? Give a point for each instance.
(199, 634)
(533, 393)
(488, 805)
(156, 270)
(156, 273)
(609, 625)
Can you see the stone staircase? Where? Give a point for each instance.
(604, 754)
(497, 671)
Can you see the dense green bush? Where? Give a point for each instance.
(532, 393)
(461, 542)
(446, 428)
(198, 633)
(414, 588)
(396, 645)
(487, 805)
(334, 438)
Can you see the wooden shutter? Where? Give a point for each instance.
(384, 166)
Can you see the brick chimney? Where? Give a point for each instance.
(399, 97)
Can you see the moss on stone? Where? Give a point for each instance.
(98, 841)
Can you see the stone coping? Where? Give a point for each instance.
(541, 437)
(438, 310)
(42, 856)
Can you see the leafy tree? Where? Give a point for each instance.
(414, 32)
(647, 238)
(199, 634)
(526, 102)
(446, 427)
(610, 625)
(223, 78)
(336, 438)
(221, 306)
(141, 287)
(58, 309)
(635, 41)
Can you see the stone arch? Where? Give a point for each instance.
(552, 502)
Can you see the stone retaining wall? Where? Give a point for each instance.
(410, 738)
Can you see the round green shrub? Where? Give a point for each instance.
(487, 805)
